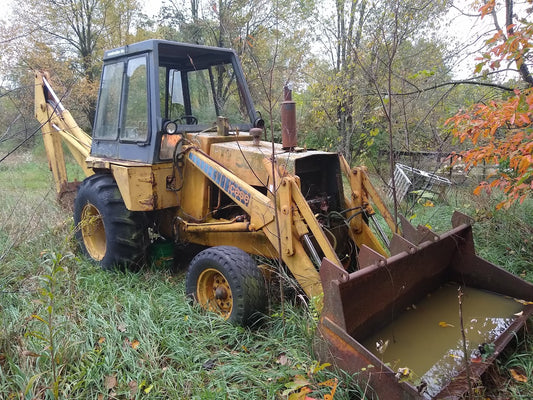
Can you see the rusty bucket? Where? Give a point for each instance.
(359, 304)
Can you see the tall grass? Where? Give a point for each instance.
(124, 334)
(503, 237)
(127, 335)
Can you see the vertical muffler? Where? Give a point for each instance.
(289, 139)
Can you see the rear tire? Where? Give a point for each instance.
(106, 231)
(226, 280)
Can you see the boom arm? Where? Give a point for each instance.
(57, 125)
(361, 192)
(295, 221)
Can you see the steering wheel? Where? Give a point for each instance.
(189, 119)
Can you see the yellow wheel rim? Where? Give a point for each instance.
(214, 293)
(93, 232)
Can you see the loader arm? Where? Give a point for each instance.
(58, 126)
(362, 191)
(300, 242)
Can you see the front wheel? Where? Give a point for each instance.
(226, 280)
(106, 231)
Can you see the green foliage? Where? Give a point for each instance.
(356, 98)
(502, 237)
(125, 334)
(519, 369)
(47, 318)
(135, 335)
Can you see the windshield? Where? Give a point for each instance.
(196, 97)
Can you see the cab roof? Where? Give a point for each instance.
(184, 55)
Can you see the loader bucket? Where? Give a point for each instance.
(361, 306)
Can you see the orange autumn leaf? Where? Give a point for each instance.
(518, 376)
(333, 384)
(300, 395)
(500, 130)
(443, 324)
(135, 344)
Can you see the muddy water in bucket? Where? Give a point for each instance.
(426, 338)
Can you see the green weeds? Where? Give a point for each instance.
(48, 319)
(70, 330)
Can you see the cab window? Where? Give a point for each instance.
(135, 118)
(108, 112)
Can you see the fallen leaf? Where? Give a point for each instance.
(121, 327)
(526, 303)
(443, 324)
(319, 367)
(133, 388)
(148, 389)
(135, 344)
(299, 382)
(27, 353)
(283, 359)
(403, 374)
(330, 382)
(517, 376)
(110, 382)
(101, 340)
(333, 384)
(301, 395)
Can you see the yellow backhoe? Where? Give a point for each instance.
(176, 154)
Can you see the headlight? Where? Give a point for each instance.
(170, 128)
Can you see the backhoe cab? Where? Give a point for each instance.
(154, 89)
(176, 155)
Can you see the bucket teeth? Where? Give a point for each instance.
(367, 257)
(399, 244)
(417, 235)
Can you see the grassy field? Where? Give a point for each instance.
(69, 330)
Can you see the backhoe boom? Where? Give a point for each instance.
(58, 126)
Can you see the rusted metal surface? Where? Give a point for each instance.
(288, 121)
(359, 304)
(416, 235)
(346, 353)
(399, 244)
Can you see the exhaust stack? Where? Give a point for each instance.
(289, 137)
